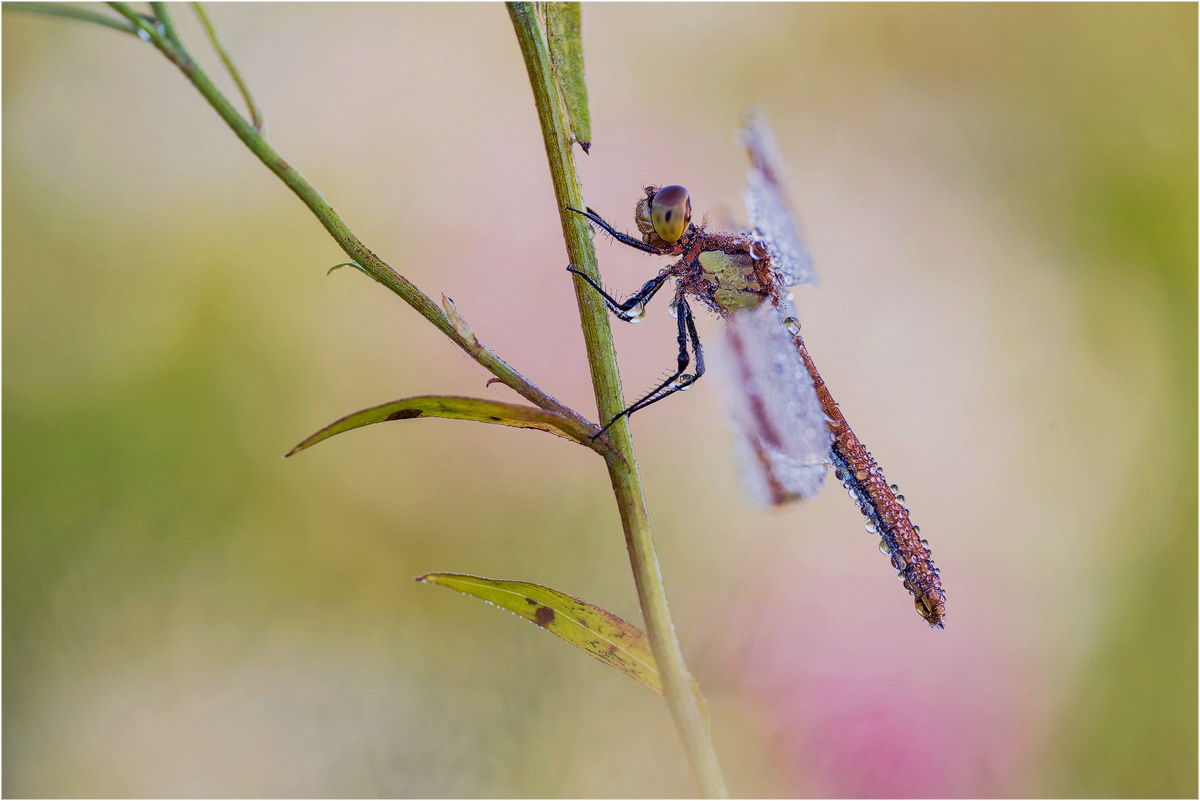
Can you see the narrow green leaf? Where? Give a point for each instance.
(353, 264)
(452, 407)
(589, 628)
(564, 36)
(71, 12)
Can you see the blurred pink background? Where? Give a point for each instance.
(1000, 204)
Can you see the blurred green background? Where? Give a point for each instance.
(1001, 204)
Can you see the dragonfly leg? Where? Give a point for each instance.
(679, 380)
(615, 234)
(633, 308)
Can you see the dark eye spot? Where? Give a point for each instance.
(669, 213)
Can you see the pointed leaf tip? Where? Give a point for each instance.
(598, 633)
(353, 264)
(452, 407)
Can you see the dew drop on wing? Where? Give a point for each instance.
(783, 441)
(767, 206)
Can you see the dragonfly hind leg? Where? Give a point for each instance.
(679, 380)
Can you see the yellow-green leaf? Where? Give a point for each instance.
(452, 407)
(589, 628)
(564, 36)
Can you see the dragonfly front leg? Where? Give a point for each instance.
(624, 239)
(679, 381)
(633, 308)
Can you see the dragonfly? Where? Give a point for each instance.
(789, 429)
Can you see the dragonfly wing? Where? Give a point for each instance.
(767, 204)
(783, 441)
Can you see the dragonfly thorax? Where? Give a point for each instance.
(735, 279)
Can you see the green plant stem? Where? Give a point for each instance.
(256, 116)
(371, 264)
(72, 12)
(680, 690)
(162, 13)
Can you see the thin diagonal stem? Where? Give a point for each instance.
(371, 264)
(162, 13)
(256, 116)
(72, 12)
(680, 690)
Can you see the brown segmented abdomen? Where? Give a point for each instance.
(877, 500)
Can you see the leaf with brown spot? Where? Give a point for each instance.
(452, 407)
(589, 628)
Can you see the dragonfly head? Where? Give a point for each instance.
(664, 214)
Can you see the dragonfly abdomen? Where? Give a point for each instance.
(877, 500)
(898, 537)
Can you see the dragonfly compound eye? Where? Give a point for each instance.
(671, 211)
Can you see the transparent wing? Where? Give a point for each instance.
(767, 204)
(783, 441)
